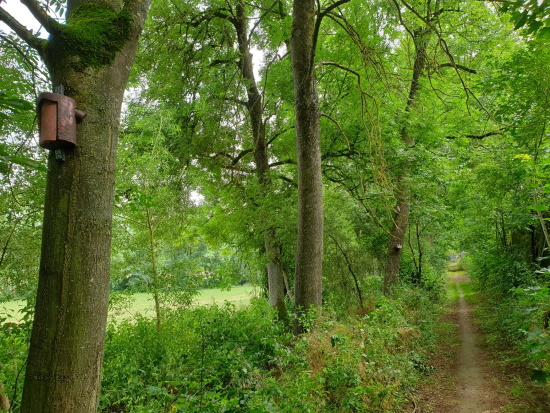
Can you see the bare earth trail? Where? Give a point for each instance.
(475, 387)
(465, 379)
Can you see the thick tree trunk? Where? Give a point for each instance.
(63, 373)
(402, 206)
(309, 251)
(275, 274)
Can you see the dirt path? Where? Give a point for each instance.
(464, 380)
(475, 392)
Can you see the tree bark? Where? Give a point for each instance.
(397, 236)
(4, 401)
(63, 372)
(402, 206)
(309, 251)
(254, 105)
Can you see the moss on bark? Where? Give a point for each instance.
(92, 37)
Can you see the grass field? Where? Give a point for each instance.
(142, 303)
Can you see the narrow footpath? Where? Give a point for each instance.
(475, 384)
(465, 380)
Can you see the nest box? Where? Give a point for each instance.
(57, 119)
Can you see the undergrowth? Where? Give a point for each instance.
(220, 359)
(223, 359)
(512, 306)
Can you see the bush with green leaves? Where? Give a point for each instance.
(224, 359)
(499, 270)
(14, 342)
(516, 305)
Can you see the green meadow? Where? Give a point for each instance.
(142, 303)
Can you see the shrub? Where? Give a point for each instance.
(221, 359)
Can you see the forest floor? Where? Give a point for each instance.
(470, 375)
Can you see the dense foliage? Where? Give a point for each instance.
(439, 108)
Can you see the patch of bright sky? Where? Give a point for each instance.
(20, 13)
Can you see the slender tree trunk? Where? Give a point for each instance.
(309, 251)
(350, 268)
(420, 255)
(63, 373)
(397, 236)
(154, 267)
(8, 240)
(254, 105)
(402, 207)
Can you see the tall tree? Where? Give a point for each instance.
(241, 111)
(254, 106)
(91, 56)
(309, 250)
(425, 25)
(402, 204)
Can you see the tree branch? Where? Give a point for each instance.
(241, 155)
(457, 66)
(25, 34)
(269, 9)
(479, 137)
(208, 15)
(318, 27)
(285, 162)
(279, 133)
(339, 128)
(339, 154)
(49, 23)
(237, 101)
(447, 51)
(287, 180)
(350, 268)
(24, 55)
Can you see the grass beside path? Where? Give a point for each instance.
(142, 303)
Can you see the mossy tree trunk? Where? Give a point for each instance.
(91, 57)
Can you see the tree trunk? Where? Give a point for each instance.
(275, 275)
(397, 237)
(420, 256)
(254, 105)
(154, 273)
(63, 372)
(402, 207)
(309, 250)
(4, 401)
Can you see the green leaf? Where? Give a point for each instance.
(14, 103)
(520, 22)
(538, 207)
(20, 160)
(544, 33)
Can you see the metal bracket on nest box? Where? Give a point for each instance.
(59, 155)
